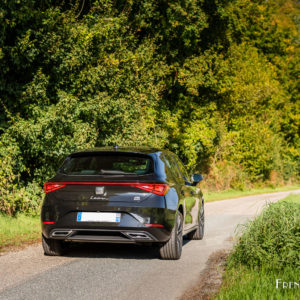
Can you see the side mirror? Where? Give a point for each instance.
(197, 178)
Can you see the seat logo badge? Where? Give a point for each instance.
(99, 190)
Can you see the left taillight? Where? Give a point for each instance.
(51, 186)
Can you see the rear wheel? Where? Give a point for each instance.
(173, 248)
(199, 232)
(53, 247)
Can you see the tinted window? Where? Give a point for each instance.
(181, 168)
(107, 164)
(168, 171)
(172, 166)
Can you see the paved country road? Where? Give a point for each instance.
(124, 271)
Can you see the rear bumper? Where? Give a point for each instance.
(135, 226)
(126, 236)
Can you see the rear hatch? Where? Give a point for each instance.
(105, 177)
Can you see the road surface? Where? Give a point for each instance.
(120, 272)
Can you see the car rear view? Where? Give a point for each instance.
(106, 196)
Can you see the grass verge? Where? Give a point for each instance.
(259, 284)
(18, 231)
(230, 194)
(267, 250)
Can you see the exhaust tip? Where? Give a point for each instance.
(61, 233)
(138, 235)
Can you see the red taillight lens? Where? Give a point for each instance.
(52, 186)
(154, 225)
(155, 188)
(48, 223)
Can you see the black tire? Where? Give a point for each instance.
(173, 248)
(199, 232)
(53, 247)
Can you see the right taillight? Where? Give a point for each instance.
(52, 186)
(155, 188)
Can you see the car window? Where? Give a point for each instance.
(107, 164)
(181, 168)
(168, 167)
(182, 172)
(173, 167)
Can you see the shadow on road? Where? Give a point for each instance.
(119, 251)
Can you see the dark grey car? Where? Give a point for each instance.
(134, 195)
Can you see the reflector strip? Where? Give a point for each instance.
(154, 225)
(48, 223)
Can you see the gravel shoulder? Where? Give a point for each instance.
(125, 271)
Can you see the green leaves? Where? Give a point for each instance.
(271, 240)
(215, 81)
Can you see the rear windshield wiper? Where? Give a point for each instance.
(114, 172)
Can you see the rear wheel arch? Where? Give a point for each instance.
(199, 232)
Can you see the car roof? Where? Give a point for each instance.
(144, 150)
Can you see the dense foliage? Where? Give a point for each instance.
(215, 81)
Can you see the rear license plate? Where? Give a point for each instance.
(98, 217)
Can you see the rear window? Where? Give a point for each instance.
(107, 164)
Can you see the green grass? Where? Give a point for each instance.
(268, 249)
(292, 198)
(229, 194)
(19, 230)
(258, 284)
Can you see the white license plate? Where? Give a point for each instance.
(98, 217)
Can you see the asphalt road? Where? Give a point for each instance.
(120, 272)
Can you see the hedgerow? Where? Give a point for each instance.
(214, 81)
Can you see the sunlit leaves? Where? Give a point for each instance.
(215, 81)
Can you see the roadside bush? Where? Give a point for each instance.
(15, 197)
(21, 199)
(225, 175)
(258, 149)
(268, 249)
(272, 240)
